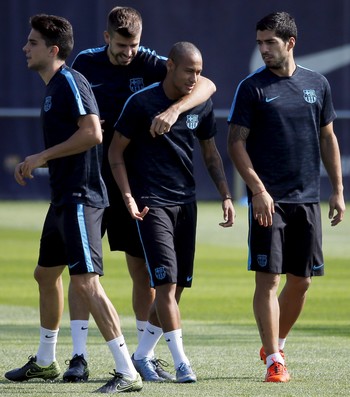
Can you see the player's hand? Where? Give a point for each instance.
(229, 213)
(162, 123)
(336, 208)
(263, 208)
(134, 210)
(18, 175)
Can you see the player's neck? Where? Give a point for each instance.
(50, 70)
(286, 70)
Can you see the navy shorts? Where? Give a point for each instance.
(121, 228)
(293, 244)
(168, 236)
(72, 236)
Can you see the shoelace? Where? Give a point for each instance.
(116, 375)
(277, 368)
(74, 359)
(160, 363)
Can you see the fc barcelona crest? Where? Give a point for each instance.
(310, 96)
(192, 121)
(136, 84)
(47, 103)
(160, 273)
(262, 260)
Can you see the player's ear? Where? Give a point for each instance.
(170, 65)
(291, 43)
(107, 37)
(54, 50)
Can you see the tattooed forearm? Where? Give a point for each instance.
(237, 133)
(214, 165)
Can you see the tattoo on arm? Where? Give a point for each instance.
(237, 133)
(214, 164)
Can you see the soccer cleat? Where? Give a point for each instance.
(263, 354)
(185, 374)
(162, 373)
(78, 370)
(146, 369)
(120, 384)
(31, 370)
(277, 372)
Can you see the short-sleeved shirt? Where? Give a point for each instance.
(160, 169)
(76, 178)
(284, 116)
(113, 85)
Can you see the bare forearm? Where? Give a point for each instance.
(332, 161)
(202, 91)
(239, 156)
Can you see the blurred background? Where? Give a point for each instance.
(224, 30)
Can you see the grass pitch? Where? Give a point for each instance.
(220, 335)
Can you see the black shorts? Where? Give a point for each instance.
(121, 228)
(293, 244)
(168, 235)
(72, 236)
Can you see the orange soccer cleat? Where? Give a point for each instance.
(277, 372)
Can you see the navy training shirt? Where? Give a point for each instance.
(76, 178)
(113, 85)
(284, 115)
(160, 169)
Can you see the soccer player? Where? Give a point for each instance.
(71, 233)
(115, 71)
(158, 188)
(280, 127)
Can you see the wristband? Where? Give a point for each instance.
(227, 197)
(261, 191)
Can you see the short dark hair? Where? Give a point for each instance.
(56, 31)
(181, 49)
(281, 22)
(124, 20)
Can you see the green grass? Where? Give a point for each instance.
(220, 335)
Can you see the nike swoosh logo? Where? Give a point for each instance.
(323, 61)
(317, 267)
(140, 329)
(267, 100)
(167, 340)
(84, 328)
(49, 336)
(95, 85)
(151, 332)
(122, 344)
(189, 278)
(34, 374)
(72, 265)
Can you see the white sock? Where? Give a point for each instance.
(272, 358)
(123, 363)
(174, 341)
(150, 338)
(79, 331)
(141, 327)
(281, 343)
(46, 354)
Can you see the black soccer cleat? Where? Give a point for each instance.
(121, 384)
(78, 370)
(32, 370)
